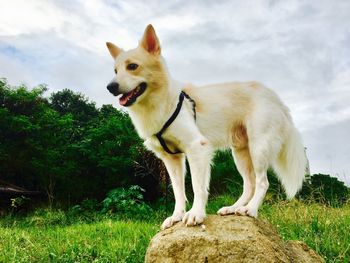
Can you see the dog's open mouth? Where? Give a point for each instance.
(129, 98)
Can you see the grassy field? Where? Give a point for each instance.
(55, 236)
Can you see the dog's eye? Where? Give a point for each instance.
(115, 71)
(132, 66)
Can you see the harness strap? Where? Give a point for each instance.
(193, 104)
(172, 118)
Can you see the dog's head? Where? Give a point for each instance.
(139, 71)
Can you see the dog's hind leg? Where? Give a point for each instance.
(245, 168)
(260, 152)
(175, 165)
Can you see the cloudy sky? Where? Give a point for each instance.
(300, 49)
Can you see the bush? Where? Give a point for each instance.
(126, 201)
(325, 189)
(87, 206)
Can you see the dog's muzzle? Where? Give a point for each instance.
(113, 88)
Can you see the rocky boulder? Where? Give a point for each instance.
(226, 239)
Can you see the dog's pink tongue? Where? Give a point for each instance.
(124, 99)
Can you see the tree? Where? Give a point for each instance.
(68, 102)
(34, 139)
(325, 189)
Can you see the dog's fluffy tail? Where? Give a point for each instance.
(290, 165)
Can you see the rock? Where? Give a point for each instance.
(226, 239)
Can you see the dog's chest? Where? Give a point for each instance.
(154, 145)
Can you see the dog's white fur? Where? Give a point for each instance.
(245, 117)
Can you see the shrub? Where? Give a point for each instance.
(86, 206)
(126, 201)
(325, 189)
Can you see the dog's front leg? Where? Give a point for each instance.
(175, 165)
(199, 156)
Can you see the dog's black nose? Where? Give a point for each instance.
(113, 88)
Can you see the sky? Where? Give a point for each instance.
(300, 49)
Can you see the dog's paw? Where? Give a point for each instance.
(192, 218)
(171, 220)
(227, 210)
(247, 211)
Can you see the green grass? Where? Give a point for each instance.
(55, 236)
(104, 241)
(325, 229)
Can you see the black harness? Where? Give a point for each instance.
(162, 142)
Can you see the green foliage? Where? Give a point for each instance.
(325, 189)
(128, 201)
(68, 102)
(32, 136)
(86, 207)
(64, 146)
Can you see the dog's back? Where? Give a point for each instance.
(222, 107)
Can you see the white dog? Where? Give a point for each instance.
(178, 121)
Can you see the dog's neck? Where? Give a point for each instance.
(149, 117)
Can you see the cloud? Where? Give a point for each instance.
(23, 17)
(328, 150)
(298, 48)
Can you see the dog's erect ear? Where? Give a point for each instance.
(113, 49)
(150, 41)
